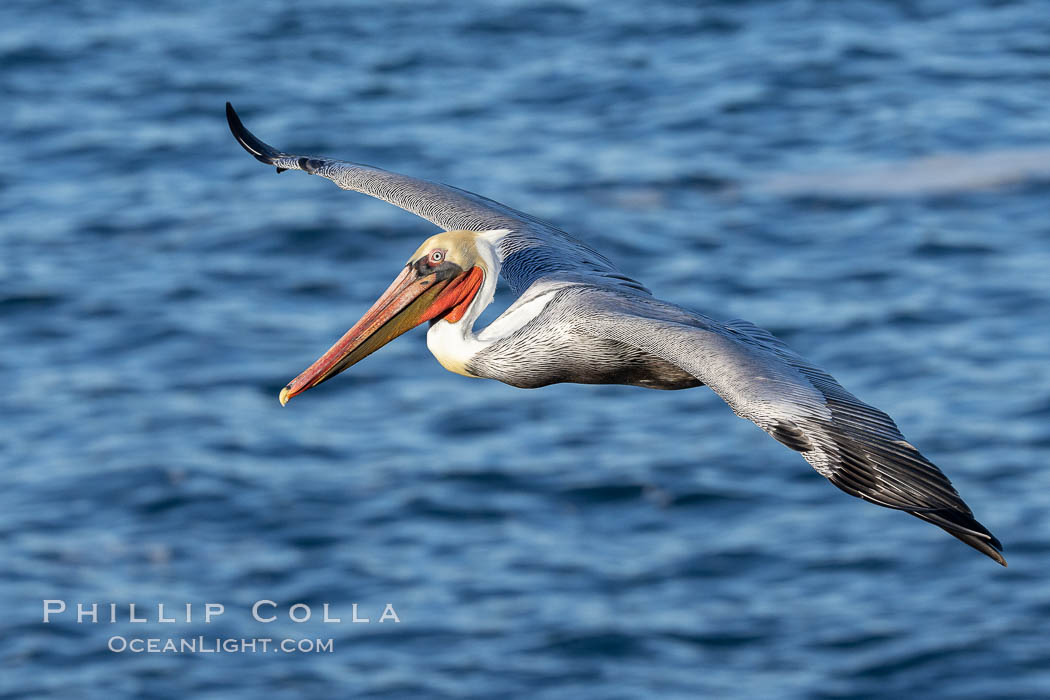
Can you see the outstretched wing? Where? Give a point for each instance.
(856, 446)
(533, 248)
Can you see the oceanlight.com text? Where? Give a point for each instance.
(218, 645)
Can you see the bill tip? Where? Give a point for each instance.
(283, 396)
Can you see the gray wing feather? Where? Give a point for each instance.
(856, 446)
(532, 250)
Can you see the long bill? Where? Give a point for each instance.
(414, 297)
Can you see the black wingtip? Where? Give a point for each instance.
(963, 527)
(261, 151)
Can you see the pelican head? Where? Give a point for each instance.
(439, 283)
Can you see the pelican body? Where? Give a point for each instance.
(578, 319)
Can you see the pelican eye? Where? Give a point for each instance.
(437, 256)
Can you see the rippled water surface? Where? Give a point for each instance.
(857, 177)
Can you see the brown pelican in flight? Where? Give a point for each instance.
(579, 319)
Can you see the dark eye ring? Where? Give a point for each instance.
(437, 256)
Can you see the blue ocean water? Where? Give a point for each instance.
(863, 179)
